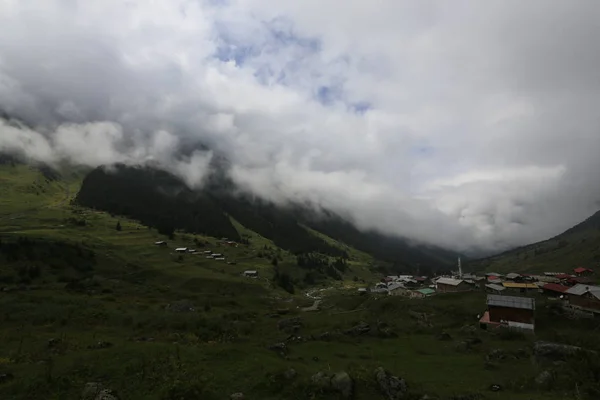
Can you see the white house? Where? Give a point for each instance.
(251, 274)
(181, 250)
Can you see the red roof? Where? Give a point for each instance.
(419, 279)
(492, 278)
(555, 287)
(563, 276)
(581, 269)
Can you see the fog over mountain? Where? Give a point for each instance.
(466, 124)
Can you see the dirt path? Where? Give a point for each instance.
(314, 307)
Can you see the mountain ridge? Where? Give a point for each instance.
(132, 191)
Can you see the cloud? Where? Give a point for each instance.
(464, 124)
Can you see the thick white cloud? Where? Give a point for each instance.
(467, 124)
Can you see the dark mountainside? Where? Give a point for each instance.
(159, 199)
(578, 246)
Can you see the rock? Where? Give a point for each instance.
(290, 374)
(547, 351)
(101, 345)
(444, 336)
(237, 396)
(97, 391)
(322, 380)
(495, 388)
(544, 378)
(342, 383)
(6, 377)
(325, 336)
(359, 329)
(392, 387)
(496, 354)
(289, 325)
(281, 348)
(180, 306)
(468, 329)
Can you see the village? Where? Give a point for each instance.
(510, 298)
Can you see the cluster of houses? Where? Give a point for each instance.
(509, 300)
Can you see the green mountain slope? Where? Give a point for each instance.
(576, 247)
(159, 199)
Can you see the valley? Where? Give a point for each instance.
(89, 298)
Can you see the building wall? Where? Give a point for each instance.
(585, 302)
(443, 288)
(510, 314)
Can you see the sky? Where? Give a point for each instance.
(466, 124)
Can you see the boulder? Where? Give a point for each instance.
(495, 354)
(97, 391)
(339, 382)
(180, 306)
(237, 396)
(281, 348)
(360, 329)
(392, 387)
(342, 383)
(548, 352)
(290, 374)
(544, 378)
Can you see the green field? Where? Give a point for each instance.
(84, 302)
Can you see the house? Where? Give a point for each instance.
(510, 311)
(161, 243)
(362, 290)
(251, 274)
(397, 289)
(583, 271)
(513, 276)
(181, 250)
(449, 285)
(519, 287)
(494, 288)
(207, 252)
(421, 293)
(493, 278)
(563, 276)
(585, 297)
(555, 274)
(217, 255)
(493, 274)
(554, 289)
(191, 251)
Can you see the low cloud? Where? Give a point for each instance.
(467, 125)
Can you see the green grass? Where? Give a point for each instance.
(221, 346)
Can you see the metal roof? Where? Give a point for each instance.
(580, 289)
(554, 287)
(493, 286)
(512, 275)
(526, 303)
(426, 291)
(395, 286)
(514, 285)
(493, 274)
(450, 281)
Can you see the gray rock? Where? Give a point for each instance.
(180, 306)
(342, 383)
(496, 354)
(97, 391)
(359, 329)
(281, 348)
(290, 374)
(544, 378)
(237, 396)
(392, 387)
(548, 352)
(322, 380)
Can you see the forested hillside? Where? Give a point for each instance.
(159, 199)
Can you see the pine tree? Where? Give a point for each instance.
(118, 227)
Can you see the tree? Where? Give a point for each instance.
(118, 227)
(274, 261)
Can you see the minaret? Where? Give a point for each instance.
(459, 269)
